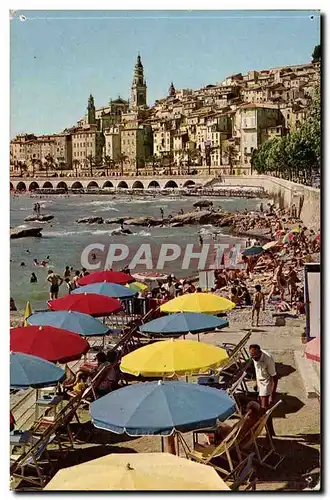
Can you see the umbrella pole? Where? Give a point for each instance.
(162, 443)
(171, 444)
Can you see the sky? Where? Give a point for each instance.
(58, 57)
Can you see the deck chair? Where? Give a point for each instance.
(238, 387)
(241, 478)
(33, 459)
(237, 354)
(205, 454)
(265, 455)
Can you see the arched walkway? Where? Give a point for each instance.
(62, 185)
(189, 183)
(107, 184)
(153, 184)
(77, 185)
(138, 185)
(33, 186)
(123, 184)
(93, 185)
(170, 184)
(48, 185)
(21, 186)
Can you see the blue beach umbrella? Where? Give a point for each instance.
(161, 408)
(182, 323)
(108, 289)
(77, 322)
(31, 371)
(254, 250)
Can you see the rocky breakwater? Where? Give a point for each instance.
(90, 220)
(25, 233)
(39, 218)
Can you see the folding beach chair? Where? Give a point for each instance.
(237, 354)
(33, 459)
(205, 454)
(242, 477)
(266, 455)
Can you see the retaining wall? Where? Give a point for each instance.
(306, 198)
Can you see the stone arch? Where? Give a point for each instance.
(122, 184)
(93, 184)
(11, 186)
(33, 186)
(138, 185)
(47, 185)
(62, 185)
(107, 184)
(153, 184)
(21, 186)
(77, 185)
(170, 184)
(189, 183)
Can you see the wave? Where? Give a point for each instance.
(142, 233)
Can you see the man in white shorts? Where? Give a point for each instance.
(266, 376)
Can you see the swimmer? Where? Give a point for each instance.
(22, 264)
(33, 278)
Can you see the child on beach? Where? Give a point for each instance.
(81, 383)
(258, 300)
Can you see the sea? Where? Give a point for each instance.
(63, 239)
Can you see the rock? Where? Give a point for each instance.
(25, 233)
(121, 231)
(90, 220)
(113, 220)
(40, 218)
(203, 204)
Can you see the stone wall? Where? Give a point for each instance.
(307, 199)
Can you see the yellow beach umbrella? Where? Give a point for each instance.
(198, 302)
(173, 357)
(137, 286)
(27, 312)
(137, 472)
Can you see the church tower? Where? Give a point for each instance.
(139, 87)
(171, 90)
(91, 111)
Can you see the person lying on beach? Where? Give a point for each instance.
(258, 302)
(252, 415)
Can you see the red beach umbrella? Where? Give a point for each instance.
(108, 277)
(88, 303)
(313, 349)
(48, 342)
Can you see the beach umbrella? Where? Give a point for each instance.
(32, 371)
(182, 323)
(208, 303)
(173, 357)
(313, 349)
(254, 250)
(70, 320)
(272, 244)
(47, 342)
(27, 312)
(106, 276)
(137, 472)
(161, 408)
(295, 230)
(108, 289)
(318, 237)
(137, 286)
(87, 303)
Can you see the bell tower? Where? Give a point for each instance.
(91, 111)
(139, 86)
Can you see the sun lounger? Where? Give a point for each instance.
(237, 352)
(266, 455)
